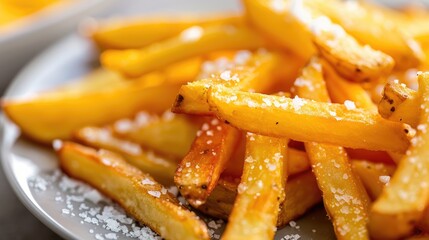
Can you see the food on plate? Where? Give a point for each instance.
(255, 117)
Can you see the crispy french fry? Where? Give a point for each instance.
(139, 194)
(297, 118)
(261, 189)
(302, 191)
(161, 169)
(56, 115)
(198, 172)
(191, 42)
(171, 135)
(374, 176)
(400, 104)
(402, 202)
(214, 144)
(341, 90)
(350, 58)
(343, 194)
(269, 17)
(373, 28)
(140, 32)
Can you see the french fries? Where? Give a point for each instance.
(137, 192)
(140, 32)
(56, 115)
(198, 172)
(191, 42)
(400, 104)
(200, 169)
(299, 119)
(352, 60)
(343, 194)
(254, 89)
(102, 138)
(403, 201)
(374, 176)
(260, 191)
(369, 27)
(301, 189)
(170, 135)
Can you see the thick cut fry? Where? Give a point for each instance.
(199, 171)
(191, 42)
(138, 33)
(142, 197)
(161, 169)
(214, 145)
(372, 28)
(400, 104)
(402, 202)
(343, 194)
(269, 17)
(350, 58)
(50, 116)
(374, 176)
(170, 135)
(261, 190)
(297, 118)
(301, 190)
(341, 90)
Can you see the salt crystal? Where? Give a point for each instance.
(384, 179)
(192, 34)
(66, 211)
(57, 144)
(350, 105)
(156, 194)
(111, 236)
(292, 224)
(93, 196)
(297, 103)
(226, 75)
(148, 181)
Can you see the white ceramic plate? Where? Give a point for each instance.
(32, 170)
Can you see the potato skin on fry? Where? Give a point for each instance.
(139, 194)
(402, 202)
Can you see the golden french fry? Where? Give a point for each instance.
(372, 156)
(343, 194)
(270, 16)
(199, 171)
(297, 118)
(171, 134)
(341, 90)
(140, 32)
(350, 58)
(403, 201)
(372, 28)
(302, 191)
(400, 104)
(138, 193)
(374, 176)
(161, 169)
(261, 189)
(191, 42)
(49, 116)
(214, 145)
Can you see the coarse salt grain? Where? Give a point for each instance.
(350, 105)
(148, 181)
(297, 103)
(156, 194)
(384, 179)
(57, 144)
(192, 34)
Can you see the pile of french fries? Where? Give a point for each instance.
(256, 117)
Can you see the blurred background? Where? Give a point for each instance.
(27, 27)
